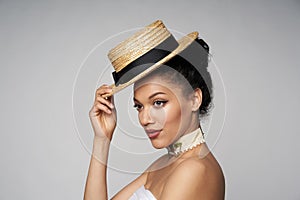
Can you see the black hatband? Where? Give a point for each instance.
(145, 61)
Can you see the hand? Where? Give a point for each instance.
(103, 114)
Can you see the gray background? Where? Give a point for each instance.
(45, 152)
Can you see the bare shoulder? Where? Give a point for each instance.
(199, 170)
(195, 178)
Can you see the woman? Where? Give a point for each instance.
(171, 90)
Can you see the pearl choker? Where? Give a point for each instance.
(186, 142)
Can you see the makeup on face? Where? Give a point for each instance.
(160, 111)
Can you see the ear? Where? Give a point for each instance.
(196, 99)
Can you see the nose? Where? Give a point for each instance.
(145, 117)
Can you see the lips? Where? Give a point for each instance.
(152, 133)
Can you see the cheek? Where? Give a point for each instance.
(169, 116)
(173, 116)
(158, 115)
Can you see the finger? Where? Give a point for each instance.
(103, 91)
(107, 95)
(104, 86)
(106, 102)
(102, 108)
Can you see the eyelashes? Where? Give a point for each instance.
(159, 103)
(156, 104)
(137, 106)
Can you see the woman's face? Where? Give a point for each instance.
(163, 111)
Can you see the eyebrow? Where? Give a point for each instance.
(151, 96)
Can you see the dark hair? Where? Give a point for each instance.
(192, 64)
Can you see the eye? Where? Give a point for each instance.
(159, 103)
(137, 106)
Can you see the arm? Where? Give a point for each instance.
(103, 120)
(96, 187)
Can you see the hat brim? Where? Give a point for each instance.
(183, 43)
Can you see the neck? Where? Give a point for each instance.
(186, 142)
(193, 125)
(195, 121)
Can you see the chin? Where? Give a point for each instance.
(158, 144)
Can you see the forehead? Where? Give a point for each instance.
(152, 84)
(154, 80)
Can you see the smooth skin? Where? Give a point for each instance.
(161, 105)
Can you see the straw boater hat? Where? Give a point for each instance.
(143, 52)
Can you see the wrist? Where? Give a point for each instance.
(100, 149)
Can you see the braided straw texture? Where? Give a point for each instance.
(138, 44)
(183, 42)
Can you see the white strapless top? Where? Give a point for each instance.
(142, 194)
